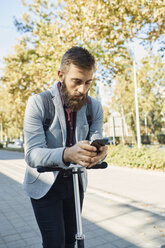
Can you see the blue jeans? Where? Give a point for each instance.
(55, 214)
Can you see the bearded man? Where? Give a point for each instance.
(66, 141)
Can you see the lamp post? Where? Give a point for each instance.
(136, 106)
(132, 54)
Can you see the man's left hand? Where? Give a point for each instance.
(103, 150)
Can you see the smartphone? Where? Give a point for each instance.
(99, 142)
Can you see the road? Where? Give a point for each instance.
(122, 208)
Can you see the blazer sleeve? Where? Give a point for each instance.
(36, 151)
(96, 128)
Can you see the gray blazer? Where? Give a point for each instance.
(47, 150)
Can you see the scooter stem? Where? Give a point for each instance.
(79, 235)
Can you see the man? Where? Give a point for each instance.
(63, 143)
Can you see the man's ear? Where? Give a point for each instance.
(61, 76)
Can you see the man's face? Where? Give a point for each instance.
(76, 83)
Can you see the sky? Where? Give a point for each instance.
(8, 33)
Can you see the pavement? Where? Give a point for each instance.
(123, 207)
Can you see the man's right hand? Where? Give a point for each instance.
(81, 153)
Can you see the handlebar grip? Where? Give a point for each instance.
(103, 165)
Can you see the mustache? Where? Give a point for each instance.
(79, 95)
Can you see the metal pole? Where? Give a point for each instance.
(114, 131)
(122, 130)
(137, 109)
(79, 236)
(122, 125)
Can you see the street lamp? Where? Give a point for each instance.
(136, 105)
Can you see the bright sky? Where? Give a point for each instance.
(8, 33)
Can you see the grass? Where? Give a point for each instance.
(13, 149)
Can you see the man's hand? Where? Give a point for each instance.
(84, 154)
(81, 153)
(100, 156)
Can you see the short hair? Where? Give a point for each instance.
(78, 56)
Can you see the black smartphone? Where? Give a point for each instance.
(99, 142)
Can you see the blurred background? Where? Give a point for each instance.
(128, 40)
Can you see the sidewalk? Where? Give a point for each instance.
(112, 214)
(144, 187)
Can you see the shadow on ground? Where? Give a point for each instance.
(18, 228)
(106, 223)
(8, 155)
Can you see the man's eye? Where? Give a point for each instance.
(77, 81)
(88, 83)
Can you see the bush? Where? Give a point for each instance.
(161, 138)
(147, 158)
(1, 145)
(14, 149)
(145, 139)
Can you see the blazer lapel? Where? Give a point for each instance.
(59, 110)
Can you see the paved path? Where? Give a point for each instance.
(122, 208)
(145, 187)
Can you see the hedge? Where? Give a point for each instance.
(12, 149)
(147, 158)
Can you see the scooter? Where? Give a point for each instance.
(75, 170)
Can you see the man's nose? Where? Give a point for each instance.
(82, 89)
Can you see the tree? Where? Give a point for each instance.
(4, 109)
(32, 67)
(150, 77)
(123, 97)
(106, 113)
(103, 27)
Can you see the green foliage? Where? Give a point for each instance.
(1, 145)
(5, 111)
(48, 30)
(150, 79)
(146, 158)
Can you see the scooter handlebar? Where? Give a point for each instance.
(47, 169)
(42, 169)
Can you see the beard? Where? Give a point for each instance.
(71, 101)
